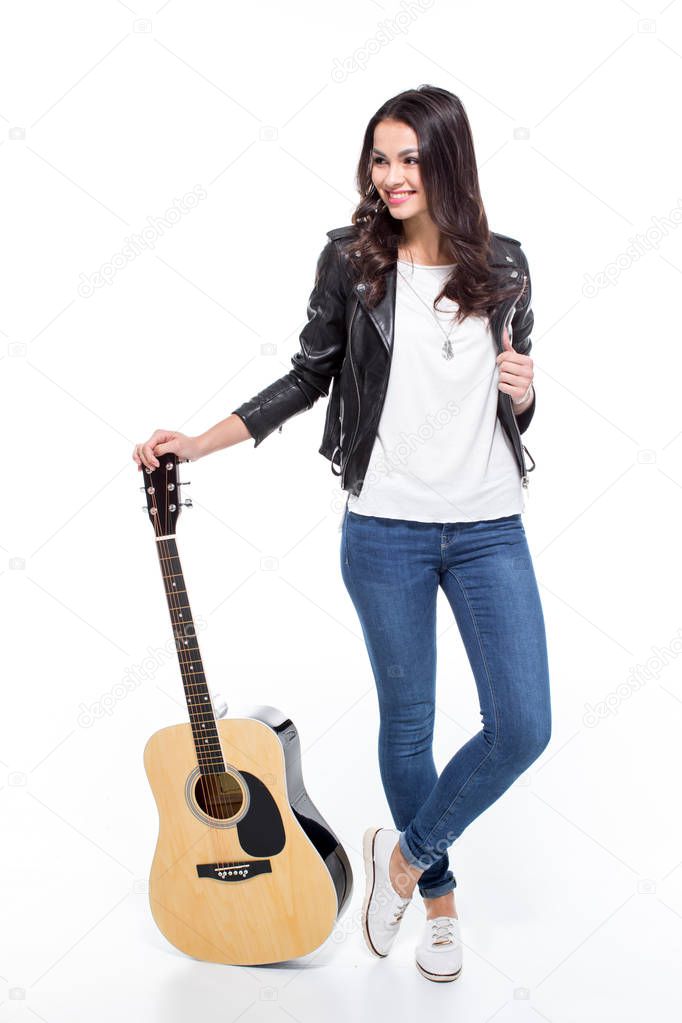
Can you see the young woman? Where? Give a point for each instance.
(420, 322)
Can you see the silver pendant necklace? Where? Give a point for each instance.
(446, 350)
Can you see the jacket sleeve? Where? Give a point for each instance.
(522, 325)
(322, 349)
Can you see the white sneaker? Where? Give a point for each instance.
(439, 954)
(383, 908)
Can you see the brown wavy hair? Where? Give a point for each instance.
(447, 165)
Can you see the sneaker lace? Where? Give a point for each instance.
(442, 932)
(398, 913)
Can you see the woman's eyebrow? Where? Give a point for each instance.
(403, 152)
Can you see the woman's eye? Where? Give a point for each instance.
(409, 159)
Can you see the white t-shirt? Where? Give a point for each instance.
(440, 454)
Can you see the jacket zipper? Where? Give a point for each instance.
(381, 400)
(507, 324)
(357, 389)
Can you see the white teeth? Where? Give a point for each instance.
(395, 195)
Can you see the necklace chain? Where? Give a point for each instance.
(446, 350)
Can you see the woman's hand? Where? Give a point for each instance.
(163, 441)
(516, 374)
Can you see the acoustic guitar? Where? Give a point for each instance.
(246, 870)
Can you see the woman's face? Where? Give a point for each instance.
(395, 169)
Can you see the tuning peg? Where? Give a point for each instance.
(184, 483)
(188, 503)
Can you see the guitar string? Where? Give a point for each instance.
(212, 778)
(212, 784)
(174, 605)
(184, 661)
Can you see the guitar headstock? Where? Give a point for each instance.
(162, 490)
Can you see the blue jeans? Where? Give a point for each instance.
(392, 569)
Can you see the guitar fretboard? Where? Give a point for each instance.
(199, 703)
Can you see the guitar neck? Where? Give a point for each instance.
(199, 703)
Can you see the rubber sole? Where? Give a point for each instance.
(442, 977)
(368, 857)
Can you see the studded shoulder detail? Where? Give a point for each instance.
(506, 237)
(342, 232)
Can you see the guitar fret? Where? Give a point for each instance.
(199, 704)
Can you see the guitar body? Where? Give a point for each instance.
(246, 871)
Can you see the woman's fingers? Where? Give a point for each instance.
(148, 453)
(144, 452)
(148, 456)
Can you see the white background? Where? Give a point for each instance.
(570, 886)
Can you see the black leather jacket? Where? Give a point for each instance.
(348, 346)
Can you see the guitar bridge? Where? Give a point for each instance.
(238, 870)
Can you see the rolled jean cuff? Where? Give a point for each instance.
(428, 891)
(435, 891)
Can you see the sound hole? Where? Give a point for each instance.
(219, 795)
